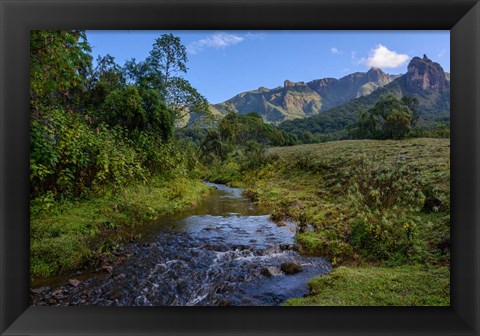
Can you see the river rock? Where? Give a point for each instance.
(58, 294)
(291, 268)
(284, 247)
(74, 282)
(40, 290)
(268, 271)
(120, 276)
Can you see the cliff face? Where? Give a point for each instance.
(299, 99)
(423, 74)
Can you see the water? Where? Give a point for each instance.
(225, 251)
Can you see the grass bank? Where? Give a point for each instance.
(379, 286)
(367, 205)
(75, 234)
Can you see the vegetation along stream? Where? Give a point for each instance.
(225, 251)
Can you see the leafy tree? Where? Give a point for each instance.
(229, 127)
(389, 118)
(168, 57)
(106, 77)
(397, 125)
(184, 100)
(124, 107)
(59, 63)
(213, 147)
(162, 71)
(100, 128)
(412, 103)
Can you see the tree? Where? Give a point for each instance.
(124, 107)
(213, 147)
(185, 101)
(229, 127)
(169, 57)
(397, 125)
(162, 71)
(106, 77)
(59, 63)
(388, 118)
(412, 103)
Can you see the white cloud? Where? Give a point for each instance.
(334, 51)
(255, 35)
(441, 53)
(216, 41)
(382, 57)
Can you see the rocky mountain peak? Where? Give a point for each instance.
(377, 75)
(424, 74)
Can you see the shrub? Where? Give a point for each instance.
(384, 197)
(254, 156)
(376, 184)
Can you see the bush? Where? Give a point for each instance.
(376, 184)
(384, 197)
(305, 162)
(68, 158)
(254, 156)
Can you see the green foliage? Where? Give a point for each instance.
(67, 157)
(59, 62)
(106, 77)
(375, 183)
(214, 148)
(124, 107)
(384, 196)
(161, 73)
(304, 161)
(238, 129)
(387, 206)
(100, 129)
(389, 118)
(253, 156)
(397, 125)
(324, 244)
(247, 134)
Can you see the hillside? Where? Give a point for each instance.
(296, 100)
(424, 79)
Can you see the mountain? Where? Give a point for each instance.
(299, 99)
(424, 79)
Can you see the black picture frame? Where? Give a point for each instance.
(18, 17)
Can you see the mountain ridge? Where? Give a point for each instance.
(425, 80)
(299, 99)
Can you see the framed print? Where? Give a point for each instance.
(107, 146)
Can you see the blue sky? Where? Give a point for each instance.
(224, 63)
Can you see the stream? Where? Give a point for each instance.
(224, 251)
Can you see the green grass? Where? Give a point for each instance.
(76, 234)
(311, 185)
(379, 286)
